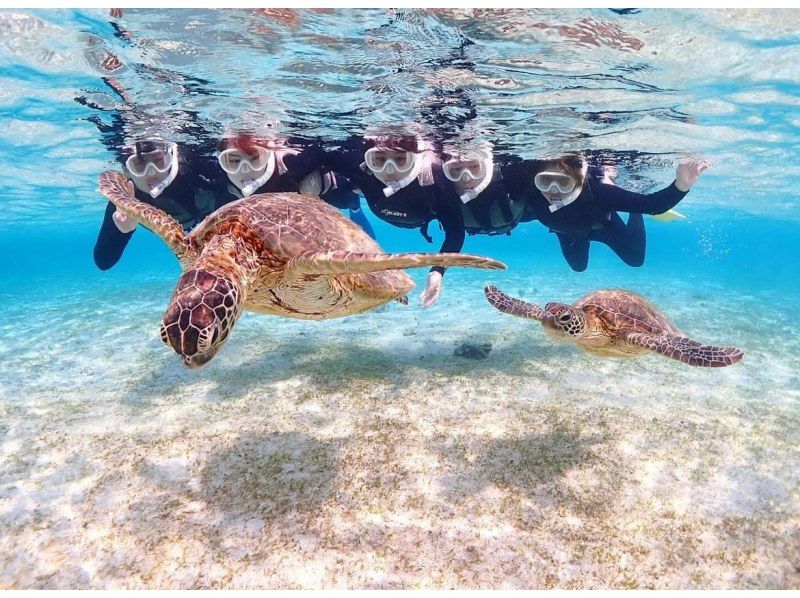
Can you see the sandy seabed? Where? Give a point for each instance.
(361, 453)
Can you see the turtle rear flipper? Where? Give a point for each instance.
(511, 306)
(336, 262)
(119, 191)
(686, 350)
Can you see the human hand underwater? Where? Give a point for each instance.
(432, 289)
(124, 223)
(687, 173)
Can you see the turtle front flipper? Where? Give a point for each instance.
(511, 306)
(119, 191)
(686, 350)
(345, 262)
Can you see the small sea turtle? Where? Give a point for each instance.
(282, 254)
(616, 323)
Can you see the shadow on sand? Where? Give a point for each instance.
(335, 364)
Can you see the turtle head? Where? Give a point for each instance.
(201, 314)
(563, 322)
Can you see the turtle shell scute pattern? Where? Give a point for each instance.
(289, 224)
(621, 310)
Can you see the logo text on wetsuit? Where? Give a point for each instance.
(392, 213)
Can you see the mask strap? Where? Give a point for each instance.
(280, 156)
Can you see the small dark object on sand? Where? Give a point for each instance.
(473, 350)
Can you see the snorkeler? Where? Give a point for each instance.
(173, 178)
(181, 180)
(473, 180)
(396, 176)
(580, 209)
(478, 178)
(261, 165)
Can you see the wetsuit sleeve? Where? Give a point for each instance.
(449, 215)
(629, 201)
(111, 242)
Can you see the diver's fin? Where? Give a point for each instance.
(346, 262)
(119, 191)
(511, 306)
(686, 350)
(669, 216)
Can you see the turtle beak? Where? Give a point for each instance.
(197, 360)
(553, 328)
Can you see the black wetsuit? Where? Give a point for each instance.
(198, 190)
(413, 206)
(593, 217)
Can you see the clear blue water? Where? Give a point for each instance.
(364, 439)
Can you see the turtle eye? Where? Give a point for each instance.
(564, 317)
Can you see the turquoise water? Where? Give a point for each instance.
(361, 452)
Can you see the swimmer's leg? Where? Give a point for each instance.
(575, 251)
(628, 241)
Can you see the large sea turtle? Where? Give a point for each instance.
(615, 323)
(283, 254)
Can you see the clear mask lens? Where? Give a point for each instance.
(456, 170)
(236, 161)
(378, 160)
(554, 182)
(155, 162)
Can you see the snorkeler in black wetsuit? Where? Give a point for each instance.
(397, 178)
(183, 181)
(579, 209)
(255, 165)
(191, 194)
(476, 181)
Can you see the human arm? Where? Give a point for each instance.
(112, 238)
(450, 218)
(658, 202)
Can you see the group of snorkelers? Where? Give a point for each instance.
(406, 181)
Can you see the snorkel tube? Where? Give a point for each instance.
(252, 186)
(471, 194)
(173, 172)
(557, 204)
(395, 186)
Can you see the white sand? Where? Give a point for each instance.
(362, 454)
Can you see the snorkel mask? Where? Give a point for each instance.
(243, 168)
(151, 158)
(402, 162)
(461, 169)
(555, 183)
